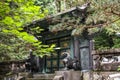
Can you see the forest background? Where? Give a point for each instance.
(15, 42)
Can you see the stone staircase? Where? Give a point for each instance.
(29, 76)
(37, 79)
(41, 77)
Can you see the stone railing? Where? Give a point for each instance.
(106, 60)
(87, 75)
(9, 67)
(105, 67)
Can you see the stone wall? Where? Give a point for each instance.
(10, 68)
(86, 75)
(106, 60)
(93, 75)
(105, 67)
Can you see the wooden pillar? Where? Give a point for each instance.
(82, 51)
(85, 54)
(91, 47)
(76, 48)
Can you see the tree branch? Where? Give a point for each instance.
(113, 12)
(101, 25)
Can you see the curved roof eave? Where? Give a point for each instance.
(45, 20)
(44, 23)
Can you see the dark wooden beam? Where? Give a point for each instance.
(76, 48)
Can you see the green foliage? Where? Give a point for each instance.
(108, 12)
(116, 42)
(106, 41)
(12, 47)
(46, 5)
(15, 42)
(101, 13)
(118, 68)
(102, 41)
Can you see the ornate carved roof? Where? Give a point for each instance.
(67, 20)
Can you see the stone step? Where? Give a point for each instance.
(44, 76)
(38, 79)
(25, 74)
(38, 76)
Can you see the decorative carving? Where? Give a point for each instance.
(70, 63)
(106, 59)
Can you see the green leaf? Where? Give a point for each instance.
(8, 20)
(5, 31)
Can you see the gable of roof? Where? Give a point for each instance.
(49, 20)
